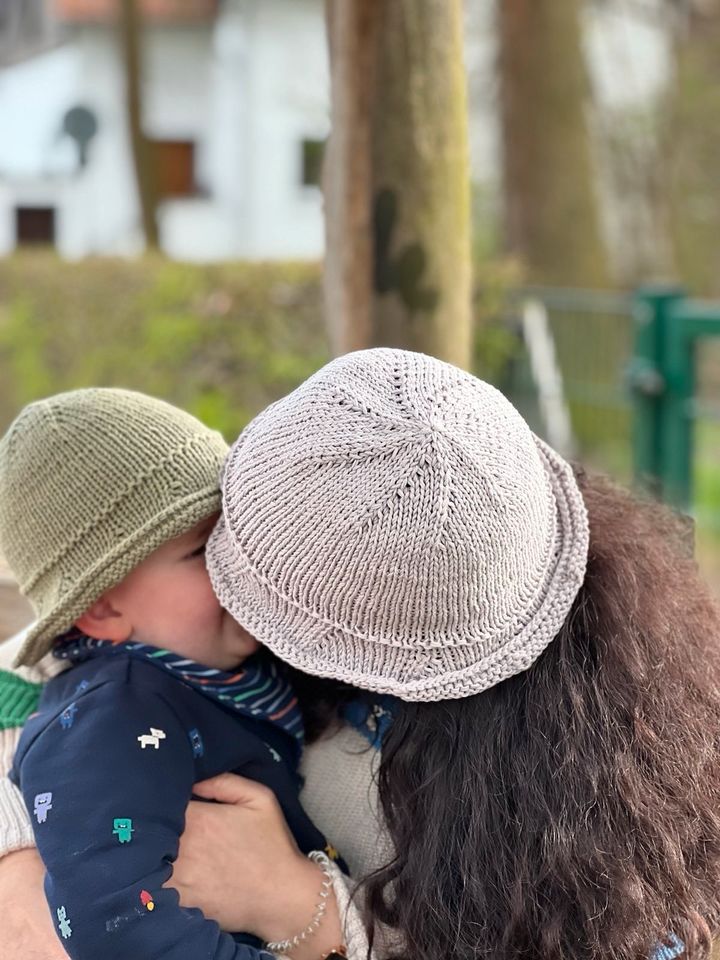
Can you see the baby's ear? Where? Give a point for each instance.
(103, 622)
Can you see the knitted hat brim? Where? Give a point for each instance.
(114, 567)
(330, 650)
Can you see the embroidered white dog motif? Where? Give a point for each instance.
(152, 739)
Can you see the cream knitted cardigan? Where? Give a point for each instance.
(340, 795)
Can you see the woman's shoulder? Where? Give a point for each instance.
(340, 795)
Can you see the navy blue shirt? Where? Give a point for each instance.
(106, 767)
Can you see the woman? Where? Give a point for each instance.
(549, 702)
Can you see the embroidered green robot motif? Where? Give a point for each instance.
(123, 828)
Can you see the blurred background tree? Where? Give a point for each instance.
(551, 220)
(397, 178)
(691, 138)
(131, 40)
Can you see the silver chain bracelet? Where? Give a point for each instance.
(283, 946)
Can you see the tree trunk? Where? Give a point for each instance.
(692, 146)
(352, 27)
(397, 186)
(551, 220)
(143, 158)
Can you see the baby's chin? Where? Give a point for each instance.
(241, 646)
(229, 663)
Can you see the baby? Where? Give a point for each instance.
(107, 498)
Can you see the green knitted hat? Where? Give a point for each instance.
(91, 482)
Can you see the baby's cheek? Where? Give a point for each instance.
(200, 590)
(212, 614)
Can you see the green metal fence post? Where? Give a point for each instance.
(647, 382)
(677, 426)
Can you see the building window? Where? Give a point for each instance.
(175, 168)
(35, 226)
(312, 161)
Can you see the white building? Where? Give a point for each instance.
(236, 98)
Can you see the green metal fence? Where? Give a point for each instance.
(640, 378)
(592, 338)
(678, 423)
(672, 332)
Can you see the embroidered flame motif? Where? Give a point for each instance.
(146, 900)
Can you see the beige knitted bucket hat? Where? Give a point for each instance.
(91, 482)
(393, 523)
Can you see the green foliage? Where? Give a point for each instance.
(222, 341)
(225, 340)
(706, 479)
(495, 345)
(706, 498)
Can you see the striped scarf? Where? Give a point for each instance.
(258, 689)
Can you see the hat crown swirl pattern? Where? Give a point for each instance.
(394, 523)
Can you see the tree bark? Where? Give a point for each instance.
(397, 185)
(143, 158)
(551, 219)
(692, 147)
(352, 27)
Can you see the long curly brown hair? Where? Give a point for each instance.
(573, 811)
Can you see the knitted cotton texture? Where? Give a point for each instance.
(395, 524)
(91, 482)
